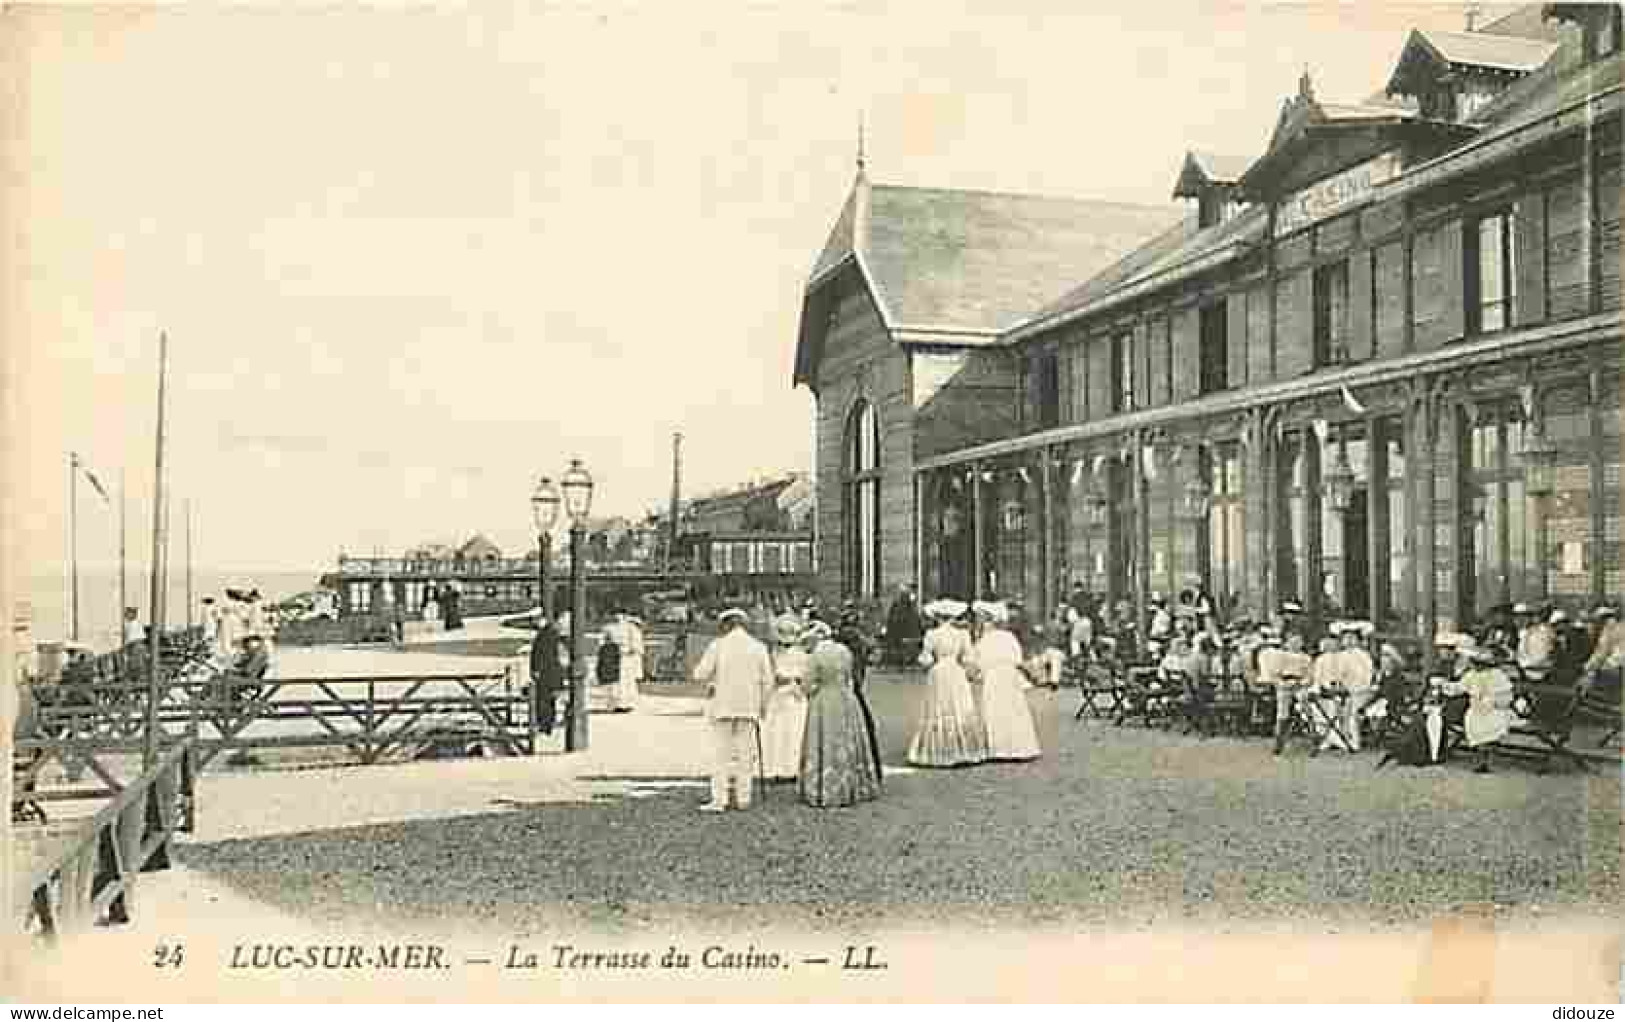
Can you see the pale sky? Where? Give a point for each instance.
(410, 260)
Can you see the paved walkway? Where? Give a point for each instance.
(469, 830)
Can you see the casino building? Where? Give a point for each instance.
(1376, 367)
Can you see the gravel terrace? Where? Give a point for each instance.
(1114, 828)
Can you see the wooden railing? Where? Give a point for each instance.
(370, 717)
(90, 881)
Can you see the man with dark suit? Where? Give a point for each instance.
(546, 675)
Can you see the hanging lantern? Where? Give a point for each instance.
(1194, 499)
(1540, 465)
(1015, 518)
(1340, 481)
(1095, 505)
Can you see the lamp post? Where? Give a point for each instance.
(577, 486)
(544, 508)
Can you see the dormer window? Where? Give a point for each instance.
(1211, 181)
(1454, 75)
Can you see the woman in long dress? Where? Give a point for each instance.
(785, 722)
(951, 731)
(996, 659)
(838, 766)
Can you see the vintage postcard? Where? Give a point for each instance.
(811, 501)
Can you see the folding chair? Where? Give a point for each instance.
(1324, 715)
(1095, 680)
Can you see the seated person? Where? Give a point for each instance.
(242, 680)
(1286, 670)
(1488, 715)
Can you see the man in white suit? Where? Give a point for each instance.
(738, 674)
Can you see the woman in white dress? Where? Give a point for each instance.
(996, 660)
(784, 724)
(951, 731)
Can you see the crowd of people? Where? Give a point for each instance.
(798, 712)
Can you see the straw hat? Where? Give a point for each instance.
(1522, 609)
(994, 612)
(1453, 640)
(1603, 611)
(1559, 616)
(787, 629)
(945, 609)
(732, 614)
(817, 630)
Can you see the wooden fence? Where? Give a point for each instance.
(372, 718)
(90, 880)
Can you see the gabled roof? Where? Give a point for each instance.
(1466, 51)
(1202, 169)
(949, 266)
(1303, 118)
(1480, 49)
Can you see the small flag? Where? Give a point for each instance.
(1353, 405)
(1323, 429)
(94, 482)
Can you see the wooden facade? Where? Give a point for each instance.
(1331, 405)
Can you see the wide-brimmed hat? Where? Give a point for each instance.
(787, 629)
(1459, 641)
(1559, 616)
(816, 630)
(945, 608)
(1360, 628)
(995, 612)
(1522, 609)
(1291, 607)
(732, 614)
(1603, 611)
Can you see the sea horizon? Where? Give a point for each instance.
(48, 599)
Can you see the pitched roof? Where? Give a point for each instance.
(1159, 261)
(1201, 169)
(1482, 49)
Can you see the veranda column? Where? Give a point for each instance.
(1142, 538)
(1046, 540)
(977, 530)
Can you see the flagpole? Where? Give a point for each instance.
(123, 578)
(73, 545)
(188, 564)
(149, 743)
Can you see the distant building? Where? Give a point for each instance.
(754, 538)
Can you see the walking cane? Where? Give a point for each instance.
(761, 760)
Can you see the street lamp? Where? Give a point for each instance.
(577, 486)
(1539, 481)
(1540, 464)
(1340, 481)
(1194, 501)
(544, 508)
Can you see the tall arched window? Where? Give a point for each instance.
(863, 501)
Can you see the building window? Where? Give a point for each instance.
(863, 501)
(1047, 413)
(1215, 349)
(1396, 526)
(1491, 254)
(1498, 566)
(1332, 313)
(1292, 551)
(1122, 373)
(1224, 553)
